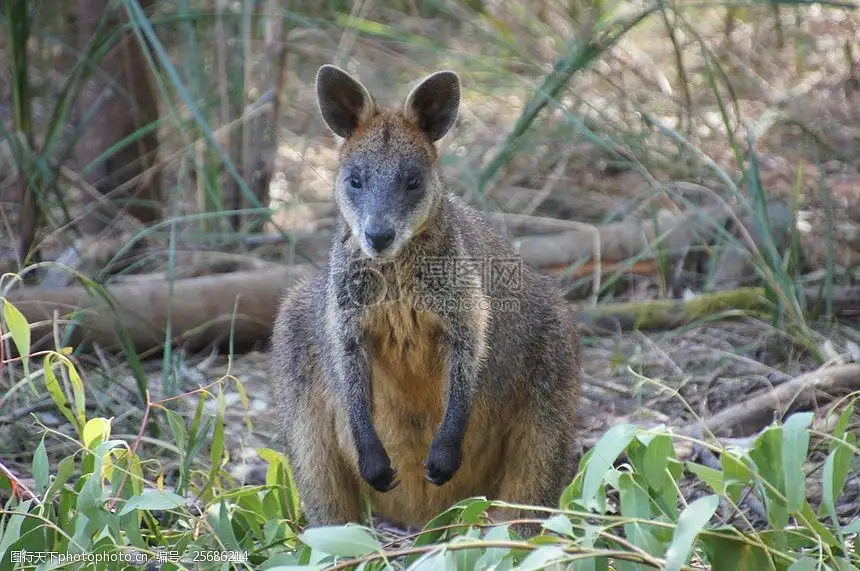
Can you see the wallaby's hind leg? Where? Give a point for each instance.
(539, 463)
(328, 489)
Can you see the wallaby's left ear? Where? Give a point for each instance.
(434, 103)
(343, 101)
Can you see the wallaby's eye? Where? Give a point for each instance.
(354, 182)
(413, 182)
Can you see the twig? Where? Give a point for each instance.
(45, 405)
(17, 485)
(133, 448)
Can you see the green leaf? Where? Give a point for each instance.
(177, 429)
(574, 489)
(153, 500)
(734, 467)
(224, 527)
(343, 541)
(560, 524)
(843, 455)
(217, 447)
(269, 455)
(65, 468)
(95, 429)
(542, 556)
(605, 452)
(12, 530)
(590, 564)
(291, 492)
(467, 558)
(431, 532)
(92, 496)
(842, 424)
(691, 521)
(832, 482)
(196, 439)
(590, 536)
(824, 534)
(41, 471)
(804, 564)
(726, 552)
(657, 456)
(667, 499)
(79, 399)
(18, 328)
(493, 556)
(795, 442)
(853, 527)
(713, 478)
(277, 478)
(435, 561)
(636, 504)
(56, 391)
(195, 422)
(841, 564)
(281, 561)
(473, 509)
(766, 455)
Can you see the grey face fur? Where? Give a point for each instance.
(387, 185)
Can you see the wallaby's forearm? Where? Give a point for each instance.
(374, 465)
(445, 455)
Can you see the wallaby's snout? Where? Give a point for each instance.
(379, 235)
(388, 184)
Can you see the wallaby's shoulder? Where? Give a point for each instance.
(478, 234)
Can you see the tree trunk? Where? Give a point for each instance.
(265, 127)
(117, 102)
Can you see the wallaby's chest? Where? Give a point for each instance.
(408, 365)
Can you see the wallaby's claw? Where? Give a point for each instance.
(441, 464)
(379, 474)
(384, 481)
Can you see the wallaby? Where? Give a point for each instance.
(424, 364)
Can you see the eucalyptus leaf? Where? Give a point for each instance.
(605, 452)
(151, 500)
(795, 443)
(691, 521)
(344, 541)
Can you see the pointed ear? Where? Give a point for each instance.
(343, 101)
(434, 103)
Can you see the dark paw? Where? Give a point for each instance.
(377, 472)
(442, 463)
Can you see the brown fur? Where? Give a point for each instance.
(515, 374)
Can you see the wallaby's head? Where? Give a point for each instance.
(388, 186)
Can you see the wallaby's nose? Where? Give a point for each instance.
(379, 236)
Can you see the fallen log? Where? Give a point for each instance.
(197, 311)
(750, 416)
(665, 314)
(551, 243)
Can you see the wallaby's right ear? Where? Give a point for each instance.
(343, 101)
(434, 103)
